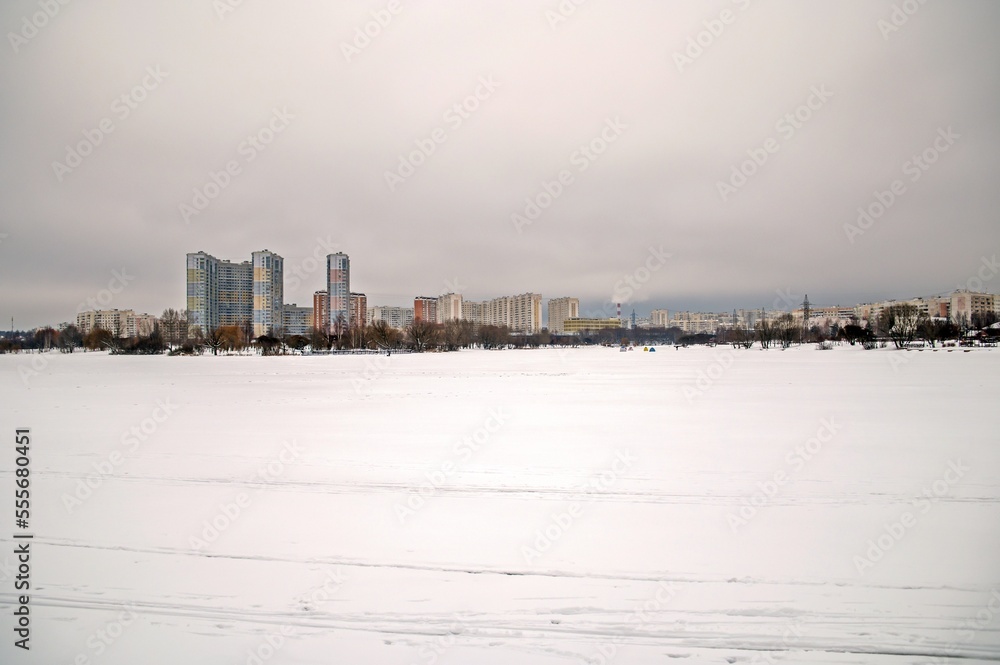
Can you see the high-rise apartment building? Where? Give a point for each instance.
(202, 291)
(526, 312)
(235, 295)
(321, 314)
(473, 311)
(561, 309)
(397, 317)
(338, 289)
(449, 307)
(425, 308)
(359, 309)
(659, 318)
(268, 292)
(520, 313)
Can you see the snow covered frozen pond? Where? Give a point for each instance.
(515, 507)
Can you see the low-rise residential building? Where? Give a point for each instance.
(397, 317)
(296, 320)
(118, 322)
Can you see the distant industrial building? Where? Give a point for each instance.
(577, 325)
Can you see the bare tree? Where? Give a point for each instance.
(319, 340)
(421, 335)
(357, 335)
(765, 332)
(384, 336)
(215, 340)
(45, 338)
(174, 326)
(786, 331)
(69, 339)
(339, 330)
(493, 337)
(902, 322)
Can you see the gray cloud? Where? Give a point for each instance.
(656, 184)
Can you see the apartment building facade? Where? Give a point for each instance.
(268, 292)
(561, 309)
(449, 308)
(425, 308)
(338, 288)
(359, 309)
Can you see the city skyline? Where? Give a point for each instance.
(227, 293)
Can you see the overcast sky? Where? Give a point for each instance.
(670, 118)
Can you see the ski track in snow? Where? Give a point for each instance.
(451, 587)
